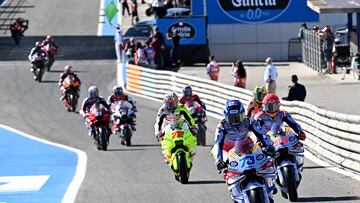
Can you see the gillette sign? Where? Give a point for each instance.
(259, 11)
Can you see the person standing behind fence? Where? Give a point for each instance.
(174, 53)
(270, 76)
(327, 47)
(118, 43)
(302, 31)
(213, 69)
(125, 6)
(239, 74)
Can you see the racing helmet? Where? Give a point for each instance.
(234, 112)
(271, 104)
(171, 101)
(50, 38)
(259, 93)
(68, 69)
(187, 91)
(118, 91)
(93, 92)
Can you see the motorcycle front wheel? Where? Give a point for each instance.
(183, 172)
(201, 136)
(290, 183)
(103, 139)
(256, 195)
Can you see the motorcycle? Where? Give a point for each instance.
(98, 119)
(178, 145)
(253, 172)
(38, 61)
(198, 114)
(72, 88)
(122, 119)
(289, 162)
(51, 52)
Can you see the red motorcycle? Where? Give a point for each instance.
(99, 119)
(71, 91)
(51, 52)
(198, 114)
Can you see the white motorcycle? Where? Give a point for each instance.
(250, 176)
(289, 162)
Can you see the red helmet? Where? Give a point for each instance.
(49, 37)
(271, 104)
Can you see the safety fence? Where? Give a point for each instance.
(334, 136)
(312, 55)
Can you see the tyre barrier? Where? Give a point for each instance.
(331, 135)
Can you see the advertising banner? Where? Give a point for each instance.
(191, 30)
(259, 11)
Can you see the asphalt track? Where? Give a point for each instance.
(137, 173)
(122, 174)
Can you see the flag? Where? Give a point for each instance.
(111, 11)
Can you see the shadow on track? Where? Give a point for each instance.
(146, 145)
(49, 81)
(206, 182)
(317, 167)
(328, 199)
(125, 150)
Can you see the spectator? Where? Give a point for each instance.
(155, 31)
(301, 31)
(327, 47)
(134, 12)
(297, 91)
(125, 6)
(157, 46)
(174, 53)
(270, 76)
(157, 5)
(239, 74)
(130, 50)
(149, 55)
(118, 41)
(140, 55)
(213, 69)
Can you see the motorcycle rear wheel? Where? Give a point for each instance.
(256, 196)
(290, 183)
(183, 172)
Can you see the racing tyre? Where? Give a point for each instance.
(183, 172)
(127, 136)
(103, 139)
(290, 183)
(201, 136)
(256, 196)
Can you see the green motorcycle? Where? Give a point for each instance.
(178, 147)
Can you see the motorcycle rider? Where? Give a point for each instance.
(19, 23)
(68, 70)
(256, 104)
(51, 52)
(118, 95)
(49, 40)
(36, 50)
(92, 98)
(233, 132)
(188, 96)
(171, 106)
(271, 118)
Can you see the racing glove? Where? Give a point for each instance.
(220, 164)
(302, 136)
(270, 150)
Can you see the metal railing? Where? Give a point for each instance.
(312, 55)
(334, 136)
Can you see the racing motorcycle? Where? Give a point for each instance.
(16, 32)
(198, 114)
(253, 172)
(289, 162)
(99, 119)
(122, 119)
(51, 52)
(72, 88)
(38, 61)
(178, 145)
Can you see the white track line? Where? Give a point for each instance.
(101, 18)
(79, 176)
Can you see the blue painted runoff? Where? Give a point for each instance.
(21, 156)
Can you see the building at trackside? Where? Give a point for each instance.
(252, 30)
